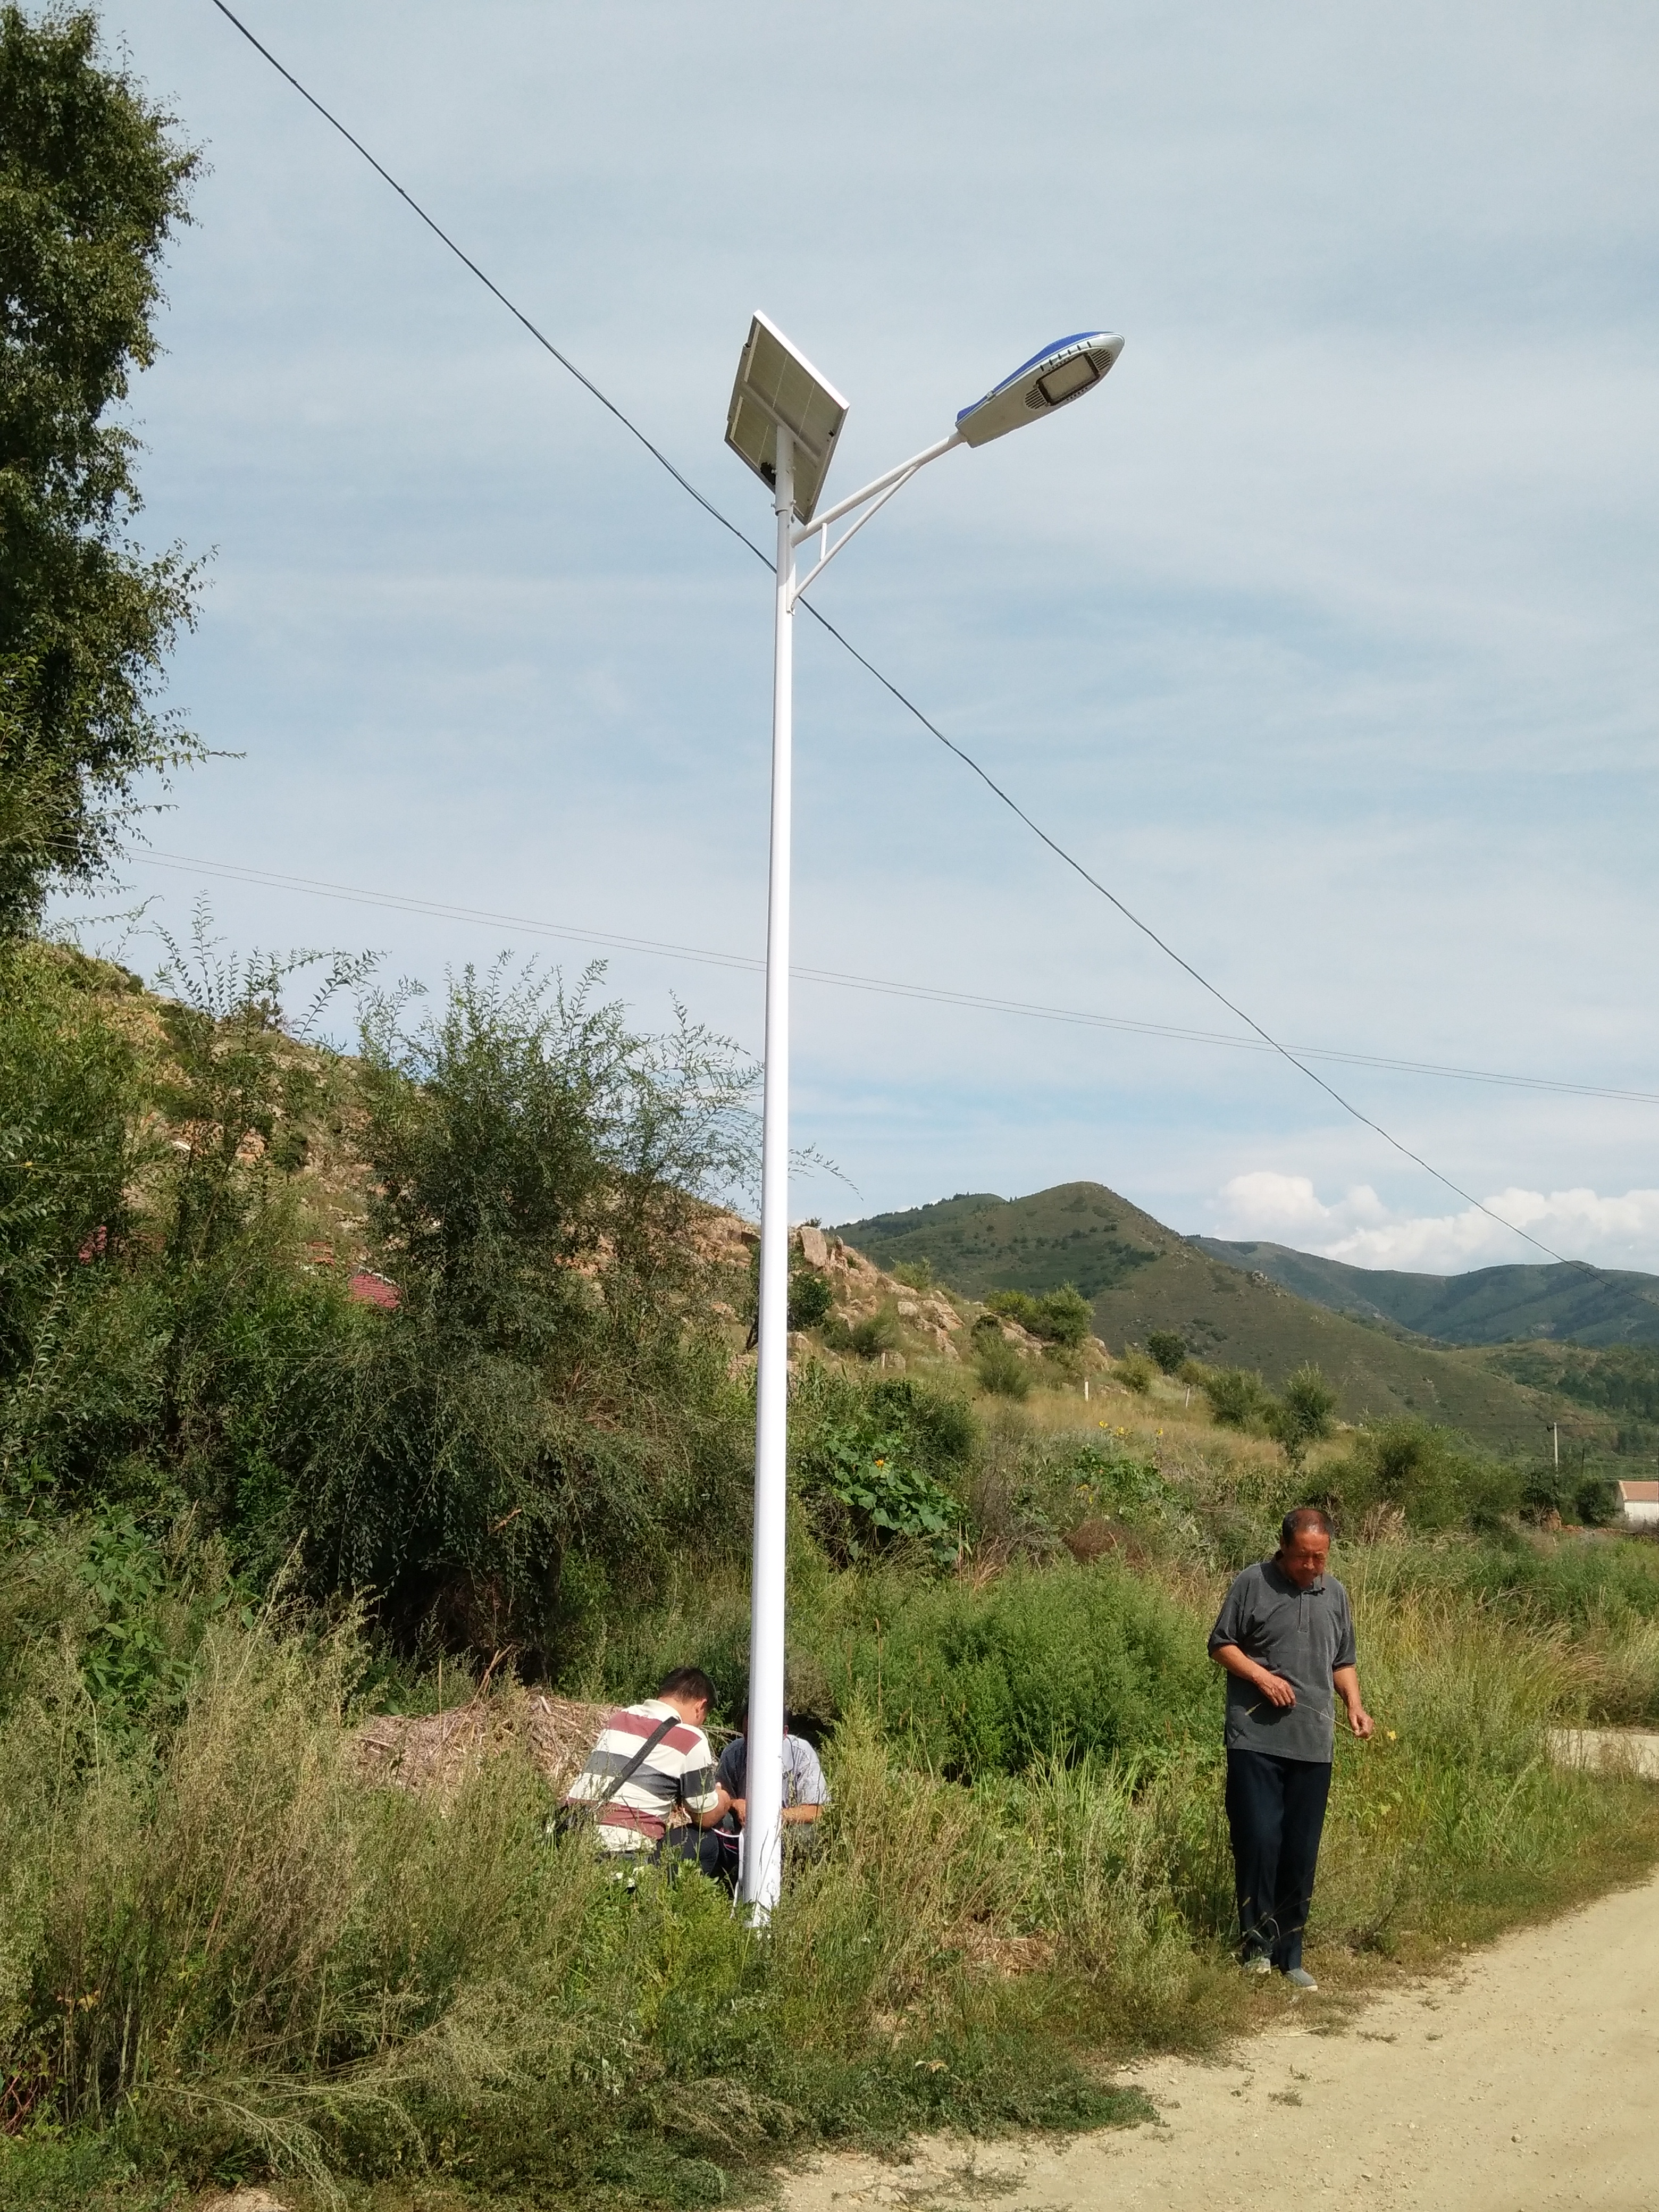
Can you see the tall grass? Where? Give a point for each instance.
(226, 1953)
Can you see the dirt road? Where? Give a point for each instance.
(1529, 2078)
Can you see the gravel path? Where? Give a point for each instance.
(1528, 2078)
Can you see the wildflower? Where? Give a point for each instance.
(1391, 1735)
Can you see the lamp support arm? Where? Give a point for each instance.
(806, 530)
(878, 492)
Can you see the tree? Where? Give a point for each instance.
(545, 1426)
(1169, 1348)
(1237, 1397)
(93, 179)
(1302, 1414)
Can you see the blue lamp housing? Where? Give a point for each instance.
(1062, 372)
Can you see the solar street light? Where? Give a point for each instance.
(784, 422)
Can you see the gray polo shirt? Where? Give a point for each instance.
(1303, 1635)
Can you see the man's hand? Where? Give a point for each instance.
(1273, 1687)
(1346, 1679)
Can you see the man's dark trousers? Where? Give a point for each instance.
(1276, 1811)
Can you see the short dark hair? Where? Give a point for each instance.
(1304, 1516)
(689, 1683)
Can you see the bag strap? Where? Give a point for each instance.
(633, 1765)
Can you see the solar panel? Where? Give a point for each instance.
(777, 388)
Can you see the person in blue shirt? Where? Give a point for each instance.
(805, 1792)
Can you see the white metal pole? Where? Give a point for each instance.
(763, 1855)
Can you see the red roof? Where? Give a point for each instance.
(1639, 1493)
(374, 1290)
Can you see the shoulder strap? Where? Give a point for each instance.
(636, 1762)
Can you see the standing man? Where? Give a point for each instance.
(1286, 1637)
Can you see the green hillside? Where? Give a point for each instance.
(1488, 1305)
(1140, 1276)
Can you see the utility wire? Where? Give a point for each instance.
(884, 986)
(886, 682)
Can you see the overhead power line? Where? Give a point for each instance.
(1268, 1041)
(885, 986)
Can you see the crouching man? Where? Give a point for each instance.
(805, 1792)
(1285, 1635)
(652, 1760)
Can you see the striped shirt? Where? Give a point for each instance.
(679, 1771)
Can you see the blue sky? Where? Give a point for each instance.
(1324, 633)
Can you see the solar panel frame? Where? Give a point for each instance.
(778, 388)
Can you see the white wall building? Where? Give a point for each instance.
(1640, 1501)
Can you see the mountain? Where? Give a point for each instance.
(1489, 1305)
(1140, 1276)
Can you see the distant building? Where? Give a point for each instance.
(1640, 1502)
(372, 1290)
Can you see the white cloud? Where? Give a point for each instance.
(1611, 1232)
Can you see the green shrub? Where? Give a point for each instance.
(1065, 1316)
(1169, 1348)
(1303, 1413)
(883, 1497)
(1238, 1400)
(874, 1334)
(1051, 1662)
(1436, 1479)
(914, 1274)
(1135, 1372)
(1060, 1316)
(998, 1365)
(1596, 1500)
(811, 1300)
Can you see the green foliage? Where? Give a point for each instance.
(811, 1300)
(1435, 1478)
(1167, 1347)
(1061, 1316)
(1596, 1500)
(234, 1958)
(1621, 1379)
(998, 1365)
(1135, 1372)
(1303, 1413)
(914, 1274)
(69, 1089)
(874, 1462)
(1238, 1400)
(547, 1416)
(884, 1497)
(873, 1334)
(93, 179)
(1047, 1663)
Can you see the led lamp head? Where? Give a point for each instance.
(1054, 378)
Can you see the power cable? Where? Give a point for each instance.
(884, 986)
(887, 683)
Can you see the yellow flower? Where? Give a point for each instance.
(1390, 1734)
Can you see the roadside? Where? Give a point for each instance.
(1521, 2080)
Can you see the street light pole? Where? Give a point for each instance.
(763, 1836)
(784, 422)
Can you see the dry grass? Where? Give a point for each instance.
(440, 1751)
